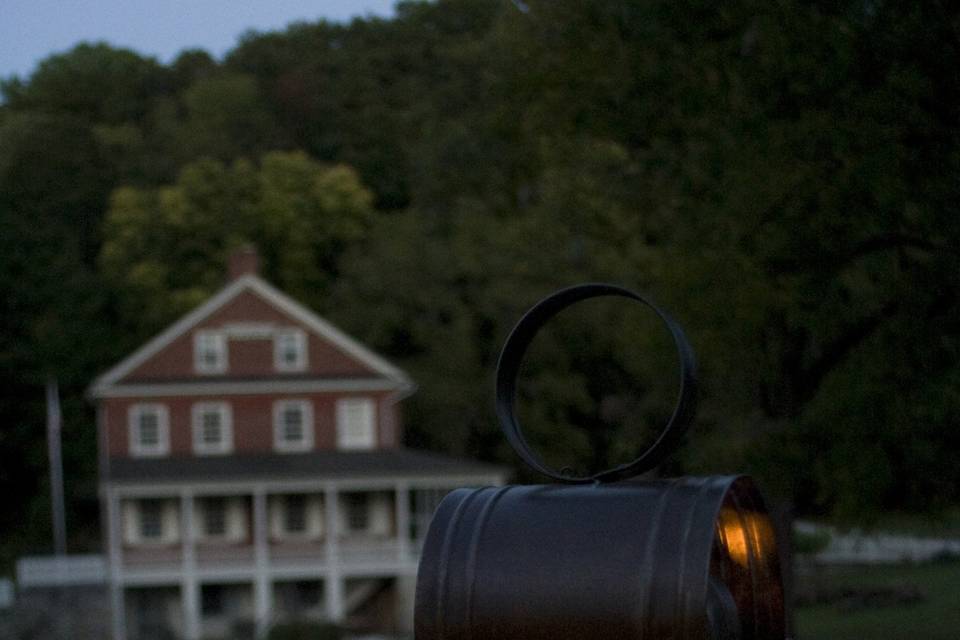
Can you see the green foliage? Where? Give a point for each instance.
(170, 244)
(935, 617)
(781, 176)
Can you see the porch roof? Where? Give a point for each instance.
(277, 466)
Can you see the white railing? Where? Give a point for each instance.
(369, 551)
(61, 571)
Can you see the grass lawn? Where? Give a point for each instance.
(937, 617)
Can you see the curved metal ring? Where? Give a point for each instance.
(516, 346)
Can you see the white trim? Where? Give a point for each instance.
(361, 435)
(162, 447)
(167, 336)
(300, 341)
(247, 387)
(286, 446)
(218, 340)
(226, 428)
(326, 330)
(102, 384)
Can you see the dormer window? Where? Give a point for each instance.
(212, 428)
(149, 430)
(290, 350)
(292, 425)
(210, 352)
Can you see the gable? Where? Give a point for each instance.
(249, 313)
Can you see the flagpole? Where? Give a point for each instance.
(56, 468)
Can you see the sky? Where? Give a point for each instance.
(31, 30)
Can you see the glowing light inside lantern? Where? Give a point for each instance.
(739, 532)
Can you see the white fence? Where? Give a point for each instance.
(61, 571)
(858, 547)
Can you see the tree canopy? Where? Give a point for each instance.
(781, 176)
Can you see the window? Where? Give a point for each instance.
(292, 425)
(214, 517)
(295, 514)
(355, 428)
(210, 352)
(212, 428)
(151, 519)
(290, 350)
(149, 430)
(308, 593)
(211, 599)
(358, 512)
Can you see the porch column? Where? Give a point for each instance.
(262, 586)
(118, 613)
(189, 587)
(402, 508)
(333, 587)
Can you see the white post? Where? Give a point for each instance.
(262, 595)
(402, 508)
(118, 611)
(189, 587)
(56, 469)
(333, 587)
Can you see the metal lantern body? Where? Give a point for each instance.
(600, 557)
(686, 559)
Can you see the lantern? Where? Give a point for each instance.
(606, 556)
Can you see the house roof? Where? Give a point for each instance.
(253, 283)
(281, 466)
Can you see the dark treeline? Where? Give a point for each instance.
(784, 176)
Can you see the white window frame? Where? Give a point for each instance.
(300, 338)
(219, 341)
(162, 446)
(197, 411)
(346, 437)
(287, 446)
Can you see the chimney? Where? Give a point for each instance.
(243, 261)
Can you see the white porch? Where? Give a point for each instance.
(205, 586)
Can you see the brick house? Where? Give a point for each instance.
(252, 472)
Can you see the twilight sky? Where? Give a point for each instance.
(30, 30)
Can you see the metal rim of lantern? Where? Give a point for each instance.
(511, 359)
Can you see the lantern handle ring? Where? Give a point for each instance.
(511, 359)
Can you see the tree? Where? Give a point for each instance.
(165, 249)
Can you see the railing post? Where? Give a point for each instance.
(118, 613)
(262, 595)
(402, 508)
(189, 587)
(333, 587)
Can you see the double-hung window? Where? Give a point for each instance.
(210, 352)
(356, 423)
(151, 520)
(295, 514)
(149, 430)
(358, 511)
(214, 517)
(212, 428)
(290, 350)
(292, 425)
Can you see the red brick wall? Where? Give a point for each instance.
(247, 357)
(252, 420)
